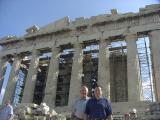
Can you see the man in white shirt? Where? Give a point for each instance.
(80, 104)
(6, 113)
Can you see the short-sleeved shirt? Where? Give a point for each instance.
(100, 108)
(79, 107)
(5, 112)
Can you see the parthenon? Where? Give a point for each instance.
(120, 52)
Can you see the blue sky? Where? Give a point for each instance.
(17, 15)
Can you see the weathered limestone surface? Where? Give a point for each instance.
(155, 42)
(153, 113)
(133, 69)
(76, 76)
(31, 78)
(31, 111)
(143, 110)
(103, 68)
(51, 85)
(2, 71)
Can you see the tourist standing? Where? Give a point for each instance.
(6, 113)
(80, 104)
(98, 108)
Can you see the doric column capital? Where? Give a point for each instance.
(153, 32)
(103, 40)
(131, 36)
(78, 45)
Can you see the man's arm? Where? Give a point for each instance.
(108, 110)
(72, 115)
(10, 116)
(110, 117)
(73, 110)
(85, 116)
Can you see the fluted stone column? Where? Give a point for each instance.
(155, 48)
(11, 86)
(2, 71)
(28, 93)
(76, 76)
(51, 84)
(133, 69)
(104, 68)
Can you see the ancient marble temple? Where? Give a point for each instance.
(120, 52)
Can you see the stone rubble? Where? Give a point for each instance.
(30, 111)
(153, 113)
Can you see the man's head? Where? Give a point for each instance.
(98, 92)
(133, 113)
(127, 116)
(84, 91)
(8, 102)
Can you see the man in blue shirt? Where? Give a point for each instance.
(98, 108)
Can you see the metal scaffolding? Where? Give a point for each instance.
(144, 54)
(64, 76)
(90, 66)
(118, 70)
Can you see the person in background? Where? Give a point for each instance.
(6, 113)
(98, 108)
(133, 114)
(80, 104)
(127, 116)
